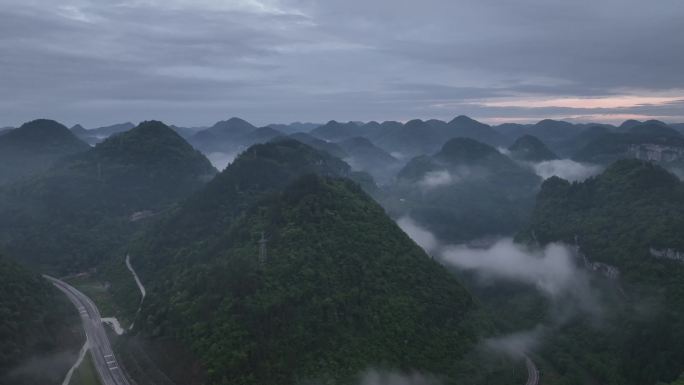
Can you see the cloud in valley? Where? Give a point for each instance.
(378, 377)
(517, 344)
(434, 179)
(422, 237)
(567, 169)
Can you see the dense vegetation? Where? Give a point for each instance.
(619, 218)
(231, 136)
(36, 321)
(465, 191)
(341, 288)
(363, 155)
(83, 207)
(633, 142)
(528, 148)
(34, 147)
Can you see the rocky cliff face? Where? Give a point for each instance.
(667, 254)
(656, 152)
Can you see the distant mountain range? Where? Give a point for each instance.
(466, 190)
(34, 147)
(530, 149)
(84, 202)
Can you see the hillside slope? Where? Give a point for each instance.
(334, 293)
(34, 147)
(88, 204)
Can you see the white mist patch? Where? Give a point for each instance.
(678, 172)
(504, 151)
(566, 169)
(376, 377)
(434, 179)
(221, 160)
(552, 270)
(422, 237)
(516, 344)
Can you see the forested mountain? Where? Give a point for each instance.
(34, 147)
(86, 204)
(333, 149)
(466, 190)
(231, 136)
(97, 135)
(36, 321)
(334, 131)
(652, 140)
(418, 137)
(528, 148)
(337, 288)
(295, 127)
(363, 155)
(552, 132)
(630, 217)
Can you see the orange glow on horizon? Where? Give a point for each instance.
(626, 101)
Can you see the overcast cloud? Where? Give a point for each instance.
(193, 62)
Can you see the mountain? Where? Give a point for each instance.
(572, 145)
(97, 135)
(295, 127)
(678, 126)
(231, 137)
(652, 140)
(187, 132)
(654, 128)
(334, 131)
(333, 149)
(107, 131)
(38, 324)
(86, 204)
(78, 130)
(463, 126)
(552, 132)
(418, 137)
(527, 148)
(628, 124)
(631, 220)
(34, 147)
(363, 155)
(5, 130)
(414, 138)
(465, 191)
(337, 287)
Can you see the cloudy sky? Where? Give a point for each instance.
(193, 62)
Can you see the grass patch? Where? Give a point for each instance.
(85, 374)
(100, 293)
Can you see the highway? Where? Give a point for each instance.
(103, 356)
(532, 372)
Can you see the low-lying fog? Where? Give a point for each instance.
(554, 271)
(567, 169)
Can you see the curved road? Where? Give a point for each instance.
(532, 372)
(103, 356)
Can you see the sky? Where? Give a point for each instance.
(194, 62)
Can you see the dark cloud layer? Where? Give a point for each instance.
(193, 62)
